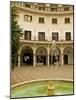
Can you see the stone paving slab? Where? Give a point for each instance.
(29, 73)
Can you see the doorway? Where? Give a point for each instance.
(41, 59)
(27, 56)
(27, 59)
(65, 59)
(53, 59)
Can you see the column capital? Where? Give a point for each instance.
(34, 51)
(61, 51)
(19, 50)
(48, 51)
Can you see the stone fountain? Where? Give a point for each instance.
(44, 87)
(51, 89)
(54, 52)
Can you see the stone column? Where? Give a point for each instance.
(19, 56)
(19, 59)
(62, 60)
(48, 58)
(34, 59)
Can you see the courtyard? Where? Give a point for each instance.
(42, 49)
(29, 73)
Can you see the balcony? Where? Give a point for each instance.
(45, 42)
(45, 8)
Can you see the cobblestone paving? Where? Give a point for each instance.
(28, 73)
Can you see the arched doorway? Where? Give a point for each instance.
(68, 55)
(27, 56)
(55, 56)
(41, 56)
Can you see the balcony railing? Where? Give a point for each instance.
(46, 41)
(45, 7)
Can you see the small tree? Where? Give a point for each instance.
(16, 33)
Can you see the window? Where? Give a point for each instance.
(41, 8)
(41, 36)
(68, 36)
(66, 9)
(54, 21)
(67, 20)
(53, 9)
(27, 5)
(27, 18)
(27, 35)
(55, 36)
(41, 20)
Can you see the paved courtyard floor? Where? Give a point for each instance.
(28, 73)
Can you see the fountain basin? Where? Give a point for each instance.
(40, 88)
